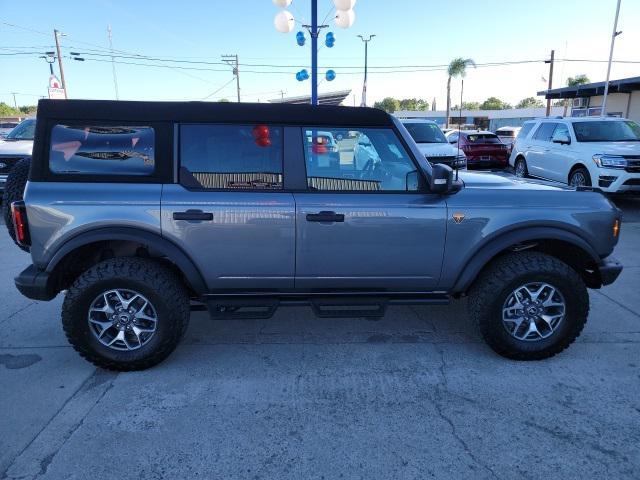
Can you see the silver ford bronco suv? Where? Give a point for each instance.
(143, 211)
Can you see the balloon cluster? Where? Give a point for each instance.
(262, 135)
(285, 23)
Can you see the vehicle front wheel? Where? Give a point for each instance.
(580, 178)
(529, 305)
(521, 168)
(126, 313)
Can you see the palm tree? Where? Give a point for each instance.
(457, 68)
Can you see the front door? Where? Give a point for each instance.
(364, 222)
(229, 212)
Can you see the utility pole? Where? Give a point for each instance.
(113, 65)
(550, 62)
(613, 41)
(233, 61)
(15, 104)
(366, 55)
(56, 34)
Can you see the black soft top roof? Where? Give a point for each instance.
(111, 110)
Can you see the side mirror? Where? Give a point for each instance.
(453, 140)
(562, 139)
(441, 178)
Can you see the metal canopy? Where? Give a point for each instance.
(625, 85)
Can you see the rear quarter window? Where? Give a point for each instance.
(524, 131)
(102, 150)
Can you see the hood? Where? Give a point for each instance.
(438, 149)
(493, 181)
(615, 148)
(16, 147)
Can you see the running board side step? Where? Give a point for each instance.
(260, 305)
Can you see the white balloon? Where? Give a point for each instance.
(284, 22)
(343, 4)
(345, 18)
(282, 3)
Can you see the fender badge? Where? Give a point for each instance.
(458, 217)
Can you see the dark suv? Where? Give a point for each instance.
(141, 211)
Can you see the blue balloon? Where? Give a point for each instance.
(302, 75)
(330, 40)
(330, 75)
(300, 38)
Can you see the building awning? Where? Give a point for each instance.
(331, 98)
(626, 85)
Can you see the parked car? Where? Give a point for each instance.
(214, 205)
(322, 150)
(507, 135)
(580, 151)
(433, 144)
(483, 149)
(16, 145)
(6, 127)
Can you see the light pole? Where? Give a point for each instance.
(366, 41)
(615, 33)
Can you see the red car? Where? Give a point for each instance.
(483, 149)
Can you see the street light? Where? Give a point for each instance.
(366, 41)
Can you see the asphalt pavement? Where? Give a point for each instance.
(414, 395)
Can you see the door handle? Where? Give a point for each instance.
(193, 215)
(325, 217)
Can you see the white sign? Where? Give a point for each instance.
(56, 93)
(54, 82)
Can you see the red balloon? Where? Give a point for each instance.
(263, 141)
(261, 131)
(320, 149)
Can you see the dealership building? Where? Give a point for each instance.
(623, 99)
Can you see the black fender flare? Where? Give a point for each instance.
(494, 245)
(158, 243)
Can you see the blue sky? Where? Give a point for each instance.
(419, 33)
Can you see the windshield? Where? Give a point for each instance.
(425, 132)
(24, 131)
(607, 131)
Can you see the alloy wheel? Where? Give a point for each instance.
(122, 319)
(533, 311)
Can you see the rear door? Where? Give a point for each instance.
(561, 156)
(230, 211)
(367, 224)
(539, 158)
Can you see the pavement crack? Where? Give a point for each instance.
(443, 386)
(20, 310)
(621, 305)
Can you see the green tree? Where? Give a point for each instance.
(7, 111)
(530, 102)
(28, 109)
(467, 106)
(578, 80)
(388, 104)
(493, 103)
(223, 100)
(457, 68)
(413, 104)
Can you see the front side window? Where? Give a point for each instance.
(607, 131)
(561, 132)
(545, 131)
(102, 150)
(231, 157)
(369, 159)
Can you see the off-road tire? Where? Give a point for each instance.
(13, 192)
(491, 289)
(162, 287)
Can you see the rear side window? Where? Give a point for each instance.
(545, 131)
(524, 131)
(231, 157)
(102, 150)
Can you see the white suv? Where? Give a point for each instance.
(580, 151)
(433, 144)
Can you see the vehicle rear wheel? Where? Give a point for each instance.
(529, 305)
(580, 178)
(13, 192)
(126, 313)
(521, 168)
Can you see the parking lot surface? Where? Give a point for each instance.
(416, 394)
